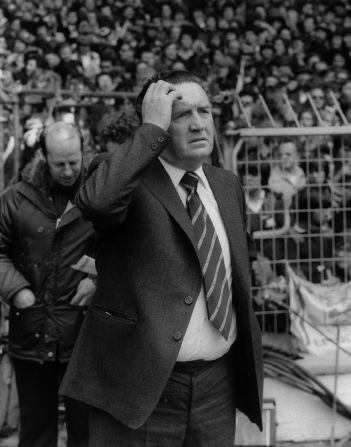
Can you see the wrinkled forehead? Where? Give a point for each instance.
(192, 94)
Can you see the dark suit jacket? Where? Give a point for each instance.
(147, 268)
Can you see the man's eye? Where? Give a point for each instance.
(181, 115)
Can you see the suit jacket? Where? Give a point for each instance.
(147, 269)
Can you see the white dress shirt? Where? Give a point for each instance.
(202, 340)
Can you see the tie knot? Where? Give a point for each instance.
(190, 181)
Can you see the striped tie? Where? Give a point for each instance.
(217, 290)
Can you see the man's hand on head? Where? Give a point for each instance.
(157, 104)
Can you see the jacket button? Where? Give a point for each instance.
(188, 300)
(160, 139)
(40, 229)
(37, 335)
(177, 335)
(154, 146)
(50, 354)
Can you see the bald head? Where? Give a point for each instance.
(60, 131)
(61, 144)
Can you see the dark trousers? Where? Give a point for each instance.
(196, 409)
(37, 386)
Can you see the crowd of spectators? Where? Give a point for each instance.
(298, 49)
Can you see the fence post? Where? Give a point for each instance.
(16, 129)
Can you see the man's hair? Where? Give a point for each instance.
(66, 130)
(173, 77)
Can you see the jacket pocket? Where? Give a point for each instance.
(26, 327)
(115, 314)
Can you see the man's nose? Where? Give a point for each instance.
(67, 172)
(197, 123)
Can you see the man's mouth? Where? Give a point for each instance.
(197, 140)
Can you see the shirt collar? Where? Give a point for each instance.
(176, 173)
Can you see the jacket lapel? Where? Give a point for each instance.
(227, 200)
(161, 186)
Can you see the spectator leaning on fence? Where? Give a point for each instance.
(287, 177)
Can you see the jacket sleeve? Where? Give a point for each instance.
(11, 280)
(108, 190)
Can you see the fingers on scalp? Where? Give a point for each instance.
(150, 90)
(162, 87)
(175, 94)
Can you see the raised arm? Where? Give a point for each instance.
(109, 189)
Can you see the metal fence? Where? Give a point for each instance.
(305, 225)
(298, 188)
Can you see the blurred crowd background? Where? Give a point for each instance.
(276, 48)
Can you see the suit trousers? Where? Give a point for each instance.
(196, 409)
(37, 386)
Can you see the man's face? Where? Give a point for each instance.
(252, 181)
(306, 119)
(105, 83)
(66, 53)
(149, 58)
(191, 128)
(171, 51)
(31, 66)
(72, 18)
(318, 97)
(126, 52)
(346, 90)
(343, 251)
(186, 41)
(288, 156)
(64, 159)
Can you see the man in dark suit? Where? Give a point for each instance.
(167, 354)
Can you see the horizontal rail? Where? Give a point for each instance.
(289, 131)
